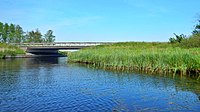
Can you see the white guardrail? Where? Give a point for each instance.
(61, 44)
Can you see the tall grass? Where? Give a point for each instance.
(146, 57)
(6, 49)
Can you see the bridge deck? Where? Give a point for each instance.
(52, 48)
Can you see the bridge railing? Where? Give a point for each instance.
(61, 44)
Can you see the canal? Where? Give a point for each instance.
(53, 85)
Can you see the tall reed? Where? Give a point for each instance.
(147, 57)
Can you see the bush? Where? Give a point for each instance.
(191, 42)
(177, 38)
(6, 49)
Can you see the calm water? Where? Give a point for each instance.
(50, 84)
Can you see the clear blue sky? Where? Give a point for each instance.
(103, 20)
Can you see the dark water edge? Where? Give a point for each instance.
(33, 56)
(52, 84)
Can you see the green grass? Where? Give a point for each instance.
(147, 57)
(6, 49)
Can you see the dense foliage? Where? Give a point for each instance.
(10, 33)
(191, 42)
(197, 28)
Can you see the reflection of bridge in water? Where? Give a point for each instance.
(53, 48)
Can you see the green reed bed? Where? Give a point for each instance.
(146, 57)
(6, 49)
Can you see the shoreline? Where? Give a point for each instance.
(147, 57)
(32, 56)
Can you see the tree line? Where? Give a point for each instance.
(11, 33)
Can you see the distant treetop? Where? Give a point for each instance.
(11, 33)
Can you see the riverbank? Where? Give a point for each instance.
(27, 55)
(162, 58)
(10, 51)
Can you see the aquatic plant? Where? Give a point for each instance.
(147, 57)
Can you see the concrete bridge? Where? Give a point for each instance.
(53, 48)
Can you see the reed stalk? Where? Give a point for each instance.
(146, 57)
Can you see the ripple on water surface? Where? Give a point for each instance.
(51, 84)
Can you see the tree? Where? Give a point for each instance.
(49, 37)
(38, 36)
(172, 40)
(11, 33)
(34, 36)
(5, 32)
(19, 34)
(30, 36)
(178, 38)
(197, 28)
(1, 30)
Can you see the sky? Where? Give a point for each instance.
(104, 20)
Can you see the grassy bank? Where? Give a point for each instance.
(8, 50)
(147, 57)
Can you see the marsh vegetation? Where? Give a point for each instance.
(141, 56)
(10, 50)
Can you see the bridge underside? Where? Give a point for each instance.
(42, 51)
(50, 50)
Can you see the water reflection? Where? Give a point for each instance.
(8, 78)
(50, 84)
(180, 83)
(42, 60)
